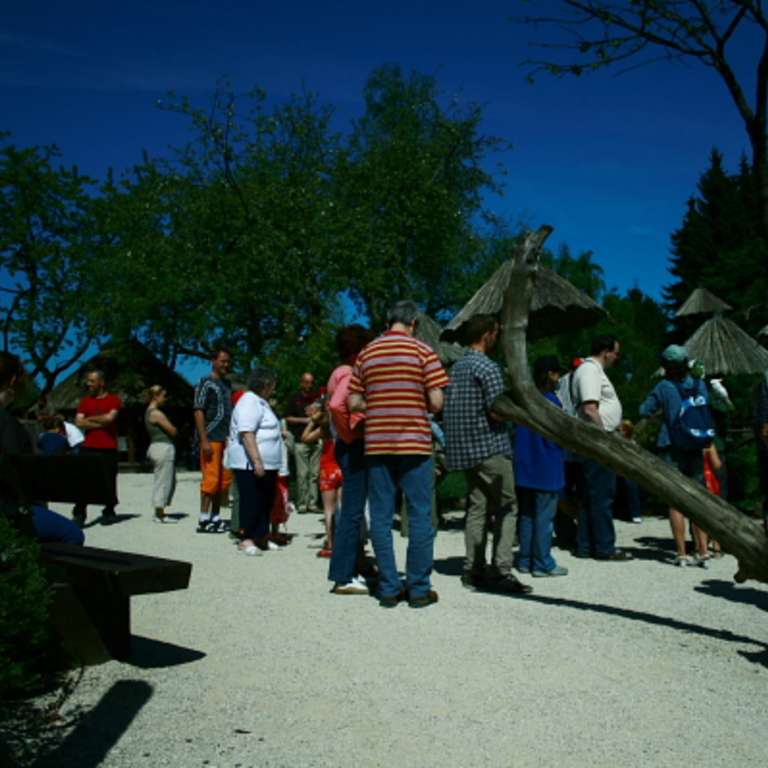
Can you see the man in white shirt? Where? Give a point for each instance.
(596, 401)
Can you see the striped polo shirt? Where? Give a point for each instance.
(393, 374)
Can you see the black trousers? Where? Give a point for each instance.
(109, 467)
(257, 495)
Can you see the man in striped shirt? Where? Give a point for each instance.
(397, 381)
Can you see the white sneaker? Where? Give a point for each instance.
(702, 562)
(681, 561)
(353, 587)
(272, 547)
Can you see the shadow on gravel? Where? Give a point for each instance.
(654, 548)
(101, 728)
(736, 594)
(449, 566)
(756, 657)
(662, 621)
(118, 518)
(178, 516)
(152, 654)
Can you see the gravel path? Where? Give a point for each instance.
(257, 664)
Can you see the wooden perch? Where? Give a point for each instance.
(739, 535)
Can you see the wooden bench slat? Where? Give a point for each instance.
(132, 573)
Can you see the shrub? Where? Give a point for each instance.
(24, 603)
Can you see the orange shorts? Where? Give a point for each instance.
(216, 477)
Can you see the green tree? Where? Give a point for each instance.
(639, 32)
(720, 246)
(151, 282)
(231, 238)
(410, 185)
(47, 248)
(580, 271)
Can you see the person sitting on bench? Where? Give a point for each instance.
(14, 439)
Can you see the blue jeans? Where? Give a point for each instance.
(414, 474)
(50, 526)
(596, 534)
(536, 510)
(349, 523)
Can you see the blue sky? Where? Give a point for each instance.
(608, 160)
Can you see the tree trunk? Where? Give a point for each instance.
(739, 535)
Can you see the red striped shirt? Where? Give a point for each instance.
(393, 373)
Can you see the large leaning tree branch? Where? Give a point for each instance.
(739, 535)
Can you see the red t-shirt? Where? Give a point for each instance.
(100, 437)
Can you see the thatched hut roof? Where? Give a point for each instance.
(702, 302)
(129, 369)
(428, 331)
(556, 305)
(724, 348)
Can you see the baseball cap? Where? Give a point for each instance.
(674, 353)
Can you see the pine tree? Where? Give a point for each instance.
(720, 246)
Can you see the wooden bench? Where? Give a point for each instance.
(102, 581)
(92, 587)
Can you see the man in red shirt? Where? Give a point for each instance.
(397, 381)
(97, 416)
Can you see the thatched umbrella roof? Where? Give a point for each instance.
(556, 305)
(428, 331)
(702, 302)
(725, 349)
(129, 369)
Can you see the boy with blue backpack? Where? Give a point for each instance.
(687, 430)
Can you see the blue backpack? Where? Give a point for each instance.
(693, 427)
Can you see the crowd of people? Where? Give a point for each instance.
(369, 438)
(366, 443)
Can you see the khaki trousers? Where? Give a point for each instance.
(163, 458)
(307, 458)
(492, 505)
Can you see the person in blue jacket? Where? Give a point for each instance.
(540, 476)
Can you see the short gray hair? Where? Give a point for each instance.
(260, 378)
(404, 312)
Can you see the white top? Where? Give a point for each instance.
(563, 393)
(253, 414)
(591, 384)
(75, 435)
(284, 471)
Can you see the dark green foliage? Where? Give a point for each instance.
(720, 247)
(47, 246)
(254, 231)
(452, 487)
(24, 601)
(410, 184)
